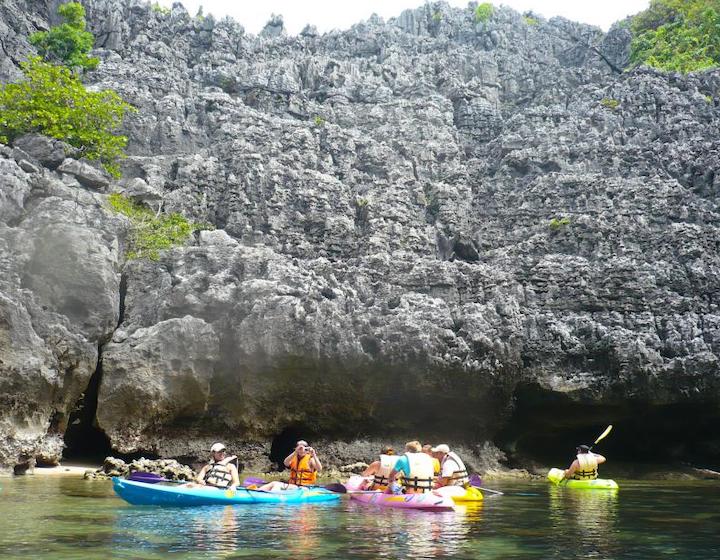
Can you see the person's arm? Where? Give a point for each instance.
(391, 477)
(599, 458)
(200, 479)
(315, 460)
(372, 469)
(287, 460)
(573, 467)
(235, 477)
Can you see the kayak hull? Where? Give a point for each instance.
(174, 495)
(461, 495)
(427, 502)
(431, 501)
(556, 477)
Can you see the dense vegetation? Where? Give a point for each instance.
(51, 100)
(68, 43)
(677, 35)
(151, 232)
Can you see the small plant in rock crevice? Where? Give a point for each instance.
(152, 232)
(557, 223)
(319, 121)
(610, 103)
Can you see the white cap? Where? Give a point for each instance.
(217, 447)
(302, 442)
(442, 448)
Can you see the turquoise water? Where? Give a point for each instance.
(69, 518)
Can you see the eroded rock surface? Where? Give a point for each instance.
(419, 222)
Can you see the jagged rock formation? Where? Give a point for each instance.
(426, 226)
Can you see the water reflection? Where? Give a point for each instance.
(590, 516)
(73, 519)
(411, 534)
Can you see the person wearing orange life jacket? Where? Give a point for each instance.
(452, 469)
(380, 470)
(219, 472)
(585, 465)
(416, 469)
(304, 466)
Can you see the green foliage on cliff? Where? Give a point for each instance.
(483, 12)
(152, 233)
(51, 100)
(677, 35)
(557, 223)
(162, 10)
(609, 103)
(68, 43)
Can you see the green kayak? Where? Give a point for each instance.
(556, 477)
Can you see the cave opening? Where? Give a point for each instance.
(545, 426)
(284, 443)
(84, 440)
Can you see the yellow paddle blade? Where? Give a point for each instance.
(606, 432)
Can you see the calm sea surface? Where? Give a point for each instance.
(69, 518)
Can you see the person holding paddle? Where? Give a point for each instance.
(585, 466)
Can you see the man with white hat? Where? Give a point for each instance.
(219, 472)
(452, 469)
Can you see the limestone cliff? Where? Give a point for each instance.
(425, 227)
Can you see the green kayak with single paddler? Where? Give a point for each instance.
(557, 476)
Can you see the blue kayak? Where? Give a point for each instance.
(144, 494)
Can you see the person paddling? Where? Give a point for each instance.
(585, 465)
(304, 467)
(452, 468)
(219, 472)
(380, 470)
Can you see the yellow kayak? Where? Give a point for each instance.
(461, 495)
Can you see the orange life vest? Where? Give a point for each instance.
(300, 472)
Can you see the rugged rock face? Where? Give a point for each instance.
(427, 226)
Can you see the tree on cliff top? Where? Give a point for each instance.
(68, 43)
(677, 35)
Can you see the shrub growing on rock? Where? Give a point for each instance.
(51, 100)
(151, 232)
(483, 12)
(68, 43)
(677, 35)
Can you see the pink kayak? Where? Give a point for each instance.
(430, 501)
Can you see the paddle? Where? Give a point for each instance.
(476, 482)
(602, 436)
(151, 478)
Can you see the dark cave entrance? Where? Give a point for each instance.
(84, 440)
(284, 443)
(546, 426)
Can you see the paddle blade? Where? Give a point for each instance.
(556, 475)
(606, 432)
(253, 481)
(335, 487)
(146, 477)
(475, 480)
